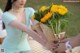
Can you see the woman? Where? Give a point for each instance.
(17, 22)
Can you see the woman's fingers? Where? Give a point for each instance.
(63, 41)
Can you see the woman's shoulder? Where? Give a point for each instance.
(30, 8)
(5, 14)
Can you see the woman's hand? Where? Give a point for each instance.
(61, 48)
(50, 46)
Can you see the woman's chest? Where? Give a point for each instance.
(21, 18)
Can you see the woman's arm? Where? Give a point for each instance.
(20, 26)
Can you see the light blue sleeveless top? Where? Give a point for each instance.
(16, 39)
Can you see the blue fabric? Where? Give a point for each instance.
(16, 39)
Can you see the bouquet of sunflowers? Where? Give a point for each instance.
(54, 17)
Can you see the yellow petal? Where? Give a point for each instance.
(43, 8)
(54, 8)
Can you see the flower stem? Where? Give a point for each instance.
(56, 28)
(59, 28)
(51, 25)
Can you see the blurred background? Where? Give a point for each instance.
(73, 27)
